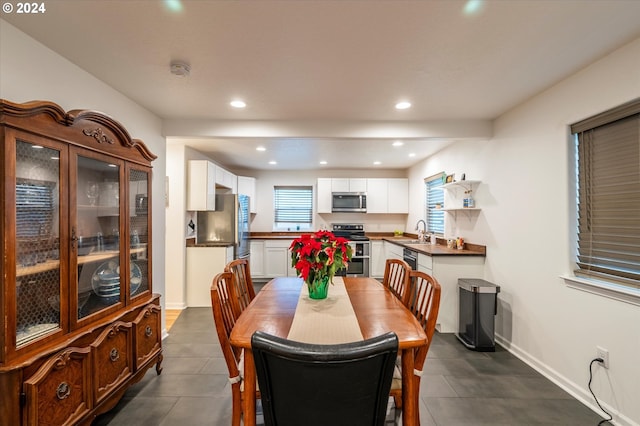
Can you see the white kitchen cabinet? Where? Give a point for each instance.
(348, 185)
(377, 195)
(425, 263)
(201, 185)
(277, 259)
(393, 251)
(204, 263)
(226, 179)
(397, 195)
(256, 258)
(247, 186)
(387, 195)
(323, 195)
(377, 260)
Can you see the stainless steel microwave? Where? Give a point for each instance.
(352, 202)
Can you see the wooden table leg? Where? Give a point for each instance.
(409, 399)
(249, 406)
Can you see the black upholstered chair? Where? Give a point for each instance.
(306, 384)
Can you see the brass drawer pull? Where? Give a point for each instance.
(63, 391)
(114, 355)
(147, 331)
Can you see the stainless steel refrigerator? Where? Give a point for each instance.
(228, 224)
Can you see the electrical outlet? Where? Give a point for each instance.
(604, 354)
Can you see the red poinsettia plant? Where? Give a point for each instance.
(319, 255)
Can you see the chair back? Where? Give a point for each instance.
(397, 279)
(424, 304)
(319, 385)
(225, 313)
(242, 280)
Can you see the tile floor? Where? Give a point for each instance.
(459, 386)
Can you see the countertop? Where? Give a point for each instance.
(191, 242)
(439, 249)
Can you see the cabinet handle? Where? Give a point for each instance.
(114, 355)
(63, 391)
(147, 331)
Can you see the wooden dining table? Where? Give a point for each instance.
(377, 311)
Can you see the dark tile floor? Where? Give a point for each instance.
(459, 386)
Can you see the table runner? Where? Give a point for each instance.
(326, 321)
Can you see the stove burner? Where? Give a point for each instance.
(350, 231)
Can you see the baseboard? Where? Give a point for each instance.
(175, 306)
(570, 387)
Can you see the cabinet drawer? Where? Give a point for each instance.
(425, 263)
(112, 359)
(147, 334)
(59, 392)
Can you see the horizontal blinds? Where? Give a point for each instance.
(609, 200)
(435, 197)
(293, 204)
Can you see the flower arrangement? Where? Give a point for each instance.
(317, 257)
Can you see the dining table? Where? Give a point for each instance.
(377, 311)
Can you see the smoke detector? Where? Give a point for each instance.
(180, 69)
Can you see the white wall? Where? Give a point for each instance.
(30, 71)
(526, 224)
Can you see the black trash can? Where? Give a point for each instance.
(478, 307)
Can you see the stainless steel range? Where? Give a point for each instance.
(354, 232)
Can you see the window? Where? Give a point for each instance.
(435, 203)
(608, 196)
(293, 207)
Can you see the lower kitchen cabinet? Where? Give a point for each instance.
(277, 259)
(256, 259)
(378, 259)
(203, 264)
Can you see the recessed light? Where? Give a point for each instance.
(261, 148)
(413, 154)
(323, 163)
(398, 143)
(377, 163)
(238, 103)
(272, 162)
(403, 105)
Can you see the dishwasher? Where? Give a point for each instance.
(411, 257)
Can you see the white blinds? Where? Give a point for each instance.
(435, 198)
(293, 204)
(608, 195)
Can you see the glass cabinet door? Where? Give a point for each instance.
(139, 231)
(37, 238)
(95, 236)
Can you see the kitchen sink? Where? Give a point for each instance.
(412, 242)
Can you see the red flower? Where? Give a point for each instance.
(319, 254)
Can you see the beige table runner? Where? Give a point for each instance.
(327, 321)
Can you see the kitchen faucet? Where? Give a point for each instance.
(422, 234)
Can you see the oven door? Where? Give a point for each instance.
(358, 267)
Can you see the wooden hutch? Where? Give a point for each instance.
(79, 322)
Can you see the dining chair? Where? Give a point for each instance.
(396, 278)
(319, 385)
(424, 304)
(242, 280)
(226, 311)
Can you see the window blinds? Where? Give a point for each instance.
(608, 195)
(434, 197)
(293, 204)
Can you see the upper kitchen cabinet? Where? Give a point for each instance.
(226, 179)
(79, 320)
(247, 186)
(348, 185)
(323, 195)
(387, 195)
(201, 185)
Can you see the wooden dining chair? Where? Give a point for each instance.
(226, 311)
(242, 279)
(424, 304)
(319, 385)
(396, 278)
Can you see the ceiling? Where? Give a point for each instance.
(320, 77)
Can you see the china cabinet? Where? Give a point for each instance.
(79, 321)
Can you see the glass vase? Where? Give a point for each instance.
(319, 287)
